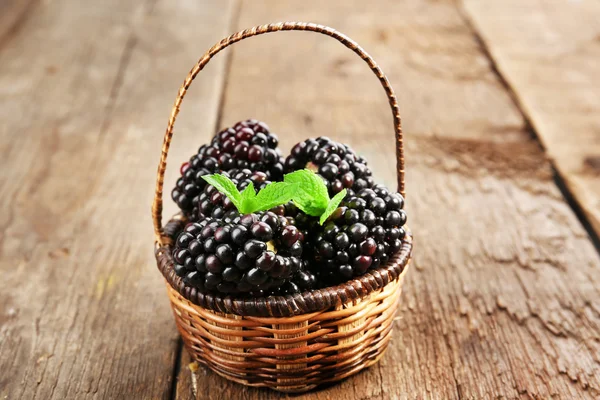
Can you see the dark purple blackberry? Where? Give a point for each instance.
(248, 145)
(255, 254)
(304, 224)
(362, 234)
(336, 162)
(301, 281)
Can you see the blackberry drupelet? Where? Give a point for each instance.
(256, 254)
(362, 234)
(336, 162)
(248, 145)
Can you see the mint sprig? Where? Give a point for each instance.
(305, 188)
(311, 194)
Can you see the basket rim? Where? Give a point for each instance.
(306, 302)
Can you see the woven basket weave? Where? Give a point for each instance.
(287, 343)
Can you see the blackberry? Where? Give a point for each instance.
(304, 226)
(247, 145)
(302, 280)
(212, 203)
(255, 254)
(362, 234)
(336, 162)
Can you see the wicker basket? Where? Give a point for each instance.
(287, 343)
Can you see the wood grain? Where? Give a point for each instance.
(502, 301)
(550, 56)
(13, 14)
(85, 93)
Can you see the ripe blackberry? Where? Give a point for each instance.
(362, 234)
(256, 254)
(247, 145)
(212, 203)
(302, 280)
(305, 224)
(336, 162)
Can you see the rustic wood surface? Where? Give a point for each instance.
(84, 95)
(550, 56)
(502, 297)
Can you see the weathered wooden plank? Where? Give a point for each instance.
(13, 14)
(550, 56)
(85, 94)
(502, 299)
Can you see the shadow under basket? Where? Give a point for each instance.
(287, 343)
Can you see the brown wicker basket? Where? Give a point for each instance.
(287, 343)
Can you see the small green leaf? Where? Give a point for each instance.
(274, 194)
(332, 206)
(224, 185)
(248, 200)
(311, 193)
(309, 208)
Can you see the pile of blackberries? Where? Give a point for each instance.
(360, 235)
(282, 251)
(254, 253)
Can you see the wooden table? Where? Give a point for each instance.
(501, 105)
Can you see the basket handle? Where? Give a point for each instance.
(157, 205)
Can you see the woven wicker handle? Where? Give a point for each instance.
(259, 30)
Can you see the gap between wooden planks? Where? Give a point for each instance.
(85, 94)
(549, 54)
(502, 297)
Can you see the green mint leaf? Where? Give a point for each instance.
(224, 185)
(311, 193)
(304, 187)
(248, 200)
(274, 194)
(332, 206)
(309, 208)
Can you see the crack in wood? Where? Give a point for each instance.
(176, 368)
(560, 179)
(457, 384)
